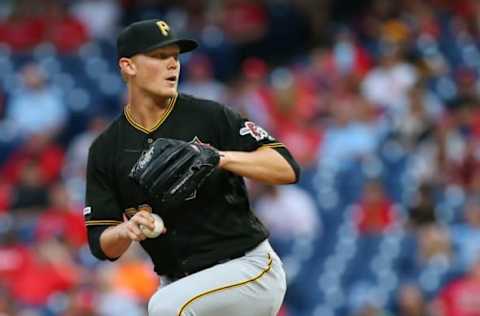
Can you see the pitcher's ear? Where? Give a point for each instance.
(127, 66)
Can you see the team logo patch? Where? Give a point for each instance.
(87, 211)
(255, 131)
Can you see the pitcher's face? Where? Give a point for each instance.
(158, 71)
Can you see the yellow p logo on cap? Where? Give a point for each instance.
(164, 28)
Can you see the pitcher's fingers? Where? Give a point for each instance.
(135, 237)
(144, 218)
(135, 231)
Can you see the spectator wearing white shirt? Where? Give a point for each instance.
(387, 85)
(289, 212)
(35, 107)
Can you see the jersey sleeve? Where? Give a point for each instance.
(237, 133)
(101, 207)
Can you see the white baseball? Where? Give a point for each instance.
(159, 227)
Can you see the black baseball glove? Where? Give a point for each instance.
(171, 170)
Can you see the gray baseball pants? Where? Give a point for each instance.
(252, 285)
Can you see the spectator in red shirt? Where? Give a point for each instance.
(23, 29)
(14, 258)
(39, 149)
(253, 96)
(293, 112)
(52, 270)
(63, 30)
(244, 21)
(461, 296)
(61, 220)
(375, 213)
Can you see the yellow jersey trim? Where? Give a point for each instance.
(162, 119)
(102, 222)
(196, 297)
(273, 145)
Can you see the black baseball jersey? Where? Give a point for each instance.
(215, 223)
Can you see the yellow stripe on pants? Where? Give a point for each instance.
(196, 297)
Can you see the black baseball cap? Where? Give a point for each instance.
(145, 36)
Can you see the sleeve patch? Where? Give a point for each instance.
(87, 211)
(255, 131)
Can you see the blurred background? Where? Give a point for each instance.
(379, 101)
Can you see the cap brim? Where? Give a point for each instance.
(185, 45)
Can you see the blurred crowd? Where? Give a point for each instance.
(378, 100)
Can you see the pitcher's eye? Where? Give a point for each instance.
(166, 56)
